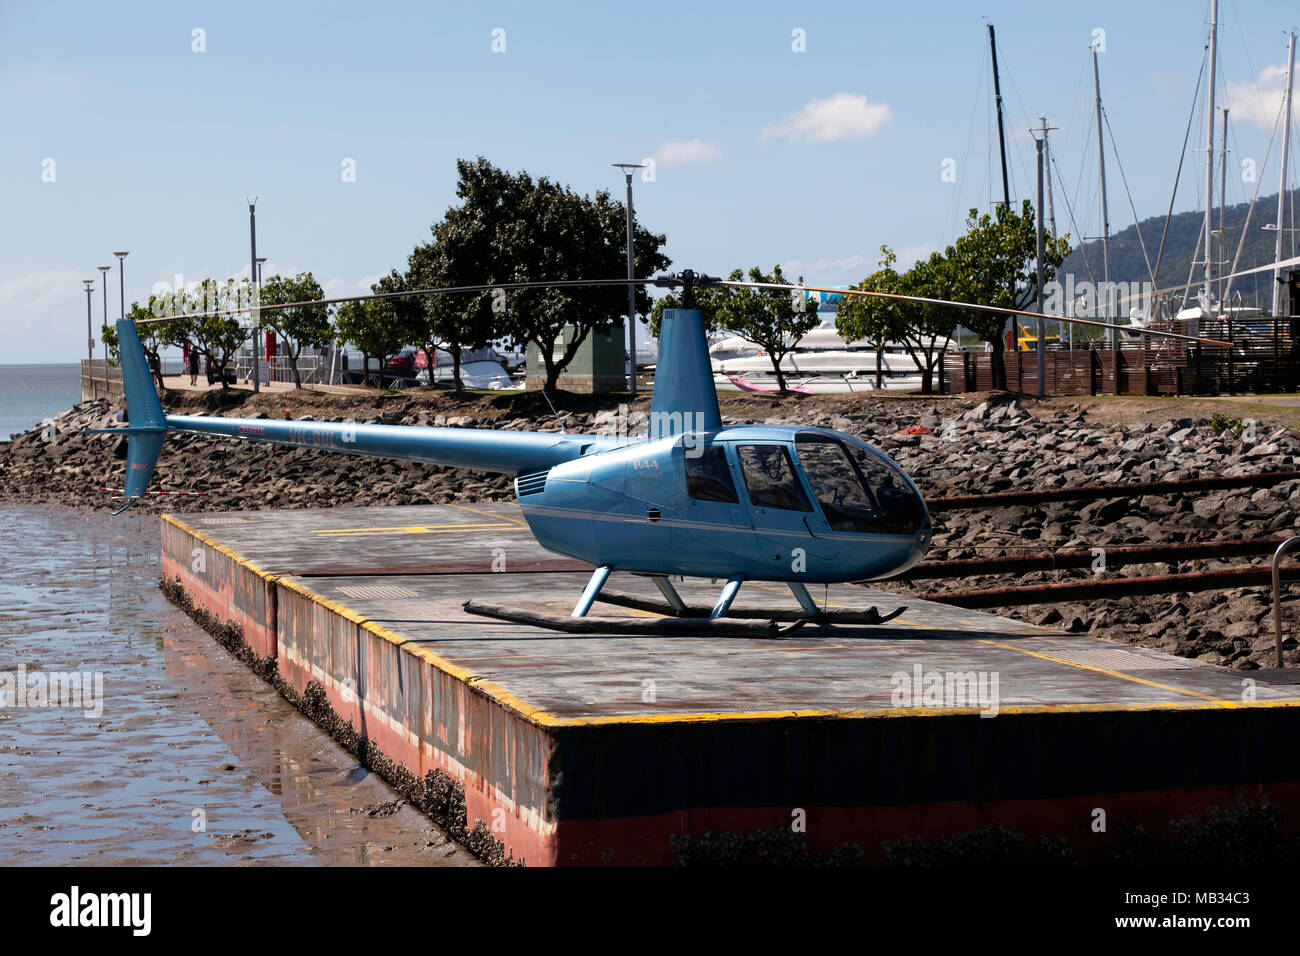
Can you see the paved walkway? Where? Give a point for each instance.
(182, 383)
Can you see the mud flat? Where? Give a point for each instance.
(185, 756)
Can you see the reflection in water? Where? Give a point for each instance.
(193, 759)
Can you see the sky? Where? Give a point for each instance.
(800, 134)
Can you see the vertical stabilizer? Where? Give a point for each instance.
(685, 398)
(147, 421)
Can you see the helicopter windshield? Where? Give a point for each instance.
(857, 491)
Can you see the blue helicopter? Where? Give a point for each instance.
(787, 504)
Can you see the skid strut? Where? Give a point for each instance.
(729, 592)
(598, 579)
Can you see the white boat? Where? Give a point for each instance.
(822, 360)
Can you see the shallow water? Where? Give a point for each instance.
(190, 757)
(30, 393)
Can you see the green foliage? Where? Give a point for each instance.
(362, 323)
(995, 263)
(1220, 422)
(512, 228)
(219, 336)
(306, 326)
(877, 320)
(773, 319)
(452, 322)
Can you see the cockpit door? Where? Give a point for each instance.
(783, 513)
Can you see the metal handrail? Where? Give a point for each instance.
(1277, 593)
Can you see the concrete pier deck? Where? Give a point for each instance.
(593, 749)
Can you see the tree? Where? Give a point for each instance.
(773, 319)
(351, 324)
(399, 319)
(995, 263)
(876, 320)
(512, 228)
(304, 326)
(153, 335)
(219, 336)
(452, 322)
(928, 328)
(375, 326)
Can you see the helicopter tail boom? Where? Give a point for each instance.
(480, 449)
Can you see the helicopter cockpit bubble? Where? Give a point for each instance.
(857, 488)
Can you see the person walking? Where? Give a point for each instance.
(194, 365)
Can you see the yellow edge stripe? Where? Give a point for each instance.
(885, 712)
(1102, 670)
(221, 548)
(542, 718)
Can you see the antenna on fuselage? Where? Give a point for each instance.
(563, 430)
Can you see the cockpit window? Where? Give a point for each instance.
(856, 490)
(707, 476)
(770, 477)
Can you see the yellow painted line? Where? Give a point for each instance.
(1101, 670)
(518, 522)
(414, 529)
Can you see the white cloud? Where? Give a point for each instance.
(844, 116)
(1258, 103)
(43, 315)
(909, 255)
(337, 287)
(687, 152)
(834, 267)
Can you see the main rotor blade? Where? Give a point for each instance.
(969, 305)
(445, 290)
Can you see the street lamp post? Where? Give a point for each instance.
(121, 277)
(631, 274)
(90, 341)
(261, 343)
(103, 281)
(253, 277)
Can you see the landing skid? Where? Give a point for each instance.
(679, 618)
(834, 615)
(662, 627)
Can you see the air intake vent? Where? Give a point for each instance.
(531, 484)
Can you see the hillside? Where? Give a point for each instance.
(1127, 265)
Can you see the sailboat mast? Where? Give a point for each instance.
(1002, 140)
(1281, 189)
(1209, 155)
(1047, 172)
(1105, 211)
(1223, 201)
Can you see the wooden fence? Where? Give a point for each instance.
(1265, 357)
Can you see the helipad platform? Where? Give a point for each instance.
(594, 749)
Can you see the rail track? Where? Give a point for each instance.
(1114, 557)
